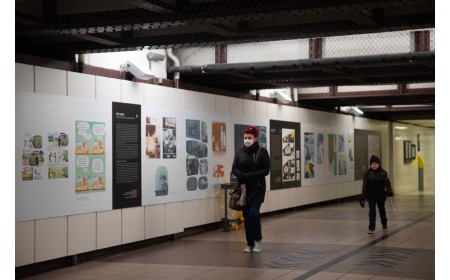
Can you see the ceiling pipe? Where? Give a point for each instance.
(176, 77)
(80, 62)
(302, 63)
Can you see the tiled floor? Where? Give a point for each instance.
(327, 242)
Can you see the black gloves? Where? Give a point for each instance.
(390, 194)
(239, 175)
(242, 177)
(362, 197)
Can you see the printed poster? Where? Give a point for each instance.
(90, 156)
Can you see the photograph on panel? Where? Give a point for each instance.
(161, 181)
(193, 129)
(152, 139)
(288, 154)
(203, 183)
(169, 138)
(204, 132)
(289, 170)
(197, 150)
(191, 166)
(203, 163)
(191, 183)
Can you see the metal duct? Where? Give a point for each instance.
(302, 63)
(175, 59)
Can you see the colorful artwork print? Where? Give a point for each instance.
(309, 155)
(33, 157)
(219, 136)
(58, 155)
(90, 173)
(90, 157)
(218, 171)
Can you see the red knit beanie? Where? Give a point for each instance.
(252, 130)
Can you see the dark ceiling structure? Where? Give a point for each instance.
(59, 29)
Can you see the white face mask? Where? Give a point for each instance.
(248, 143)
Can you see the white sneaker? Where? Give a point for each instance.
(248, 249)
(257, 247)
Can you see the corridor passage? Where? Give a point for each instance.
(326, 242)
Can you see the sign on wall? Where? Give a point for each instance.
(284, 155)
(126, 134)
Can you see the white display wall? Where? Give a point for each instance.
(55, 180)
(52, 189)
(74, 191)
(88, 98)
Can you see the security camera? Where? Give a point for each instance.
(281, 96)
(151, 56)
(355, 111)
(137, 71)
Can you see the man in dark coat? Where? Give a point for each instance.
(250, 165)
(376, 185)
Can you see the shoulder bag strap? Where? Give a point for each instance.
(255, 158)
